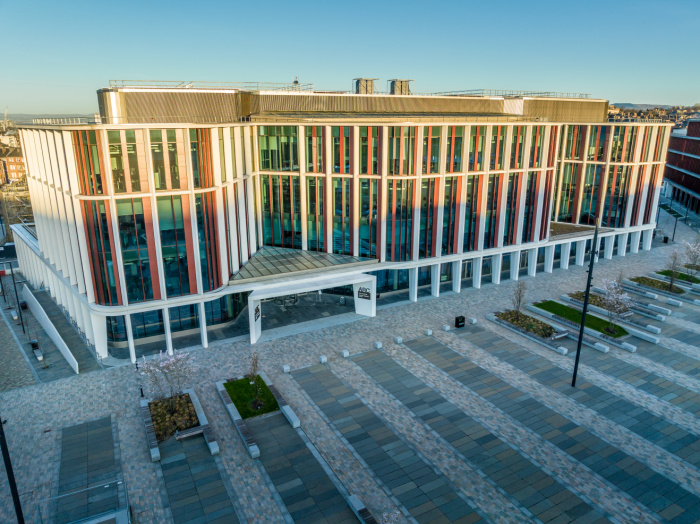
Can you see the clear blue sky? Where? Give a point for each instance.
(56, 54)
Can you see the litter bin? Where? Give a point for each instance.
(459, 322)
(665, 240)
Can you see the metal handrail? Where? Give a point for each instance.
(513, 93)
(198, 84)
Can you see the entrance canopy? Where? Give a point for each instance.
(364, 294)
(273, 262)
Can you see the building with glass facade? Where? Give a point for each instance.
(682, 174)
(188, 208)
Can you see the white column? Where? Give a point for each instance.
(549, 259)
(168, 334)
(413, 284)
(130, 337)
(496, 262)
(634, 243)
(302, 188)
(477, 264)
(532, 262)
(646, 239)
(515, 265)
(580, 252)
(435, 280)
(597, 248)
(203, 325)
(99, 333)
(622, 244)
(457, 276)
(565, 255)
(609, 245)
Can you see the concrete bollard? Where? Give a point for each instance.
(345, 353)
(378, 345)
(472, 321)
(445, 327)
(428, 332)
(398, 340)
(323, 359)
(285, 369)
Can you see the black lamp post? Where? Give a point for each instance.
(10, 474)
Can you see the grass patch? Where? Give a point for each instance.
(529, 324)
(242, 393)
(657, 284)
(172, 414)
(685, 277)
(670, 211)
(593, 300)
(574, 315)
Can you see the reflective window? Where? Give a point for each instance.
(166, 168)
(528, 230)
(314, 149)
(368, 218)
(281, 210)
(205, 205)
(399, 222)
(314, 213)
(597, 142)
(575, 136)
(536, 141)
(342, 224)
(342, 149)
(225, 309)
(369, 150)
(517, 145)
(98, 230)
(511, 211)
(124, 161)
(591, 189)
(428, 204)
(471, 209)
(476, 148)
(88, 158)
(449, 214)
(175, 235)
(616, 197)
(498, 146)
(183, 318)
(135, 243)
(431, 149)
(402, 150)
(147, 324)
(567, 197)
(493, 194)
(454, 149)
(200, 149)
(278, 148)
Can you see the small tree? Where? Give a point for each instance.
(673, 265)
(692, 256)
(518, 295)
(390, 518)
(256, 403)
(167, 374)
(616, 302)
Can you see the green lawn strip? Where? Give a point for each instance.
(680, 276)
(242, 392)
(670, 211)
(593, 322)
(657, 284)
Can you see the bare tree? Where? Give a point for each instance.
(673, 265)
(615, 302)
(518, 295)
(692, 256)
(167, 374)
(253, 378)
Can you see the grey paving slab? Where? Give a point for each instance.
(303, 485)
(496, 459)
(617, 467)
(380, 448)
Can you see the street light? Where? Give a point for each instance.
(19, 308)
(594, 252)
(10, 474)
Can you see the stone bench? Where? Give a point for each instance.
(284, 407)
(150, 431)
(559, 335)
(238, 422)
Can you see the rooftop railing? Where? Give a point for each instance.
(196, 84)
(79, 120)
(510, 93)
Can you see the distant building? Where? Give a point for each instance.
(12, 166)
(682, 174)
(9, 140)
(190, 209)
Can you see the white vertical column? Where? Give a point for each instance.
(328, 189)
(532, 261)
(622, 244)
(477, 264)
(384, 192)
(496, 263)
(609, 245)
(634, 241)
(99, 332)
(302, 189)
(515, 265)
(130, 338)
(647, 236)
(168, 334)
(457, 276)
(435, 280)
(413, 284)
(203, 324)
(565, 255)
(355, 202)
(549, 259)
(580, 252)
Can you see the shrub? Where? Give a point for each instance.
(528, 323)
(680, 276)
(575, 315)
(171, 415)
(657, 284)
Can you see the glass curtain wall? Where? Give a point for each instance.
(653, 181)
(342, 219)
(176, 243)
(498, 147)
(471, 208)
(591, 189)
(476, 148)
(402, 150)
(281, 210)
(623, 142)
(511, 210)
(536, 146)
(87, 147)
(567, 200)
(342, 149)
(210, 265)
(314, 213)
(575, 137)
(368, 217)
(426, 248)
(546, 203)
(597, 143)
(517, 145)
(124, 160)
(493, 194)
(616, 197)
(200, 150)
(138, 250)
(431, 149)
(370, 139)
(453, 186)
(454, 149)
(399, 222)
(183, 318)
(278, 148)
(98, 230)
(528, 230)
(166, 168)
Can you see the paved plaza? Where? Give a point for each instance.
(469, 425)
